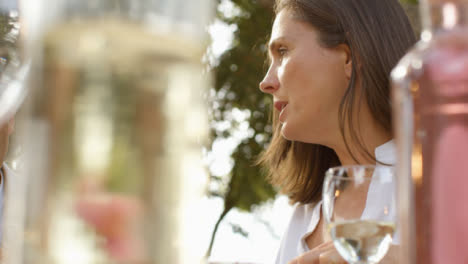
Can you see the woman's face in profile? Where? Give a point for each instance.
(307, 81)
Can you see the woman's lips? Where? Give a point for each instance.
(280, 105)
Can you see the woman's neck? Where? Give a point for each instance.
(363, 152)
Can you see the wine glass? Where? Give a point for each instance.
(359, 211)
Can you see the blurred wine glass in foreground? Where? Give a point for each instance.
(114, 127)
(430, 99)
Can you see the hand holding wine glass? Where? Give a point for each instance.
(358, 208)
(324, 253)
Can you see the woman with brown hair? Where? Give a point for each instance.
(330, 62)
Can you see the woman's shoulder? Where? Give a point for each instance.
(298, 226)
(302, 213)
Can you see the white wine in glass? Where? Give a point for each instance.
(360, 234)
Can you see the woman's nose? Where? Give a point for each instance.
(270, 83)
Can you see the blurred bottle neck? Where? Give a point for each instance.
(443, 15)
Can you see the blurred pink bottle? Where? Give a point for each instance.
(430, 98)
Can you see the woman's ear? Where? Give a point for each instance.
(347, 60)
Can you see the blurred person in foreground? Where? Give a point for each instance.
(330, 62)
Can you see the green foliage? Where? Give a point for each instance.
(7, 24)
(238, 73)
(415, 2)
(412, 10)
(9, 35)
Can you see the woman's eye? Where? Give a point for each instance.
(282, 51)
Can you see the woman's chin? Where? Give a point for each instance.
(286, 132)
(299, 135)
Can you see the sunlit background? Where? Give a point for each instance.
(242, 237)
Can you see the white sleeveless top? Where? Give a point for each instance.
(306, 217)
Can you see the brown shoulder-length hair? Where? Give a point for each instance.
(378, 33)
